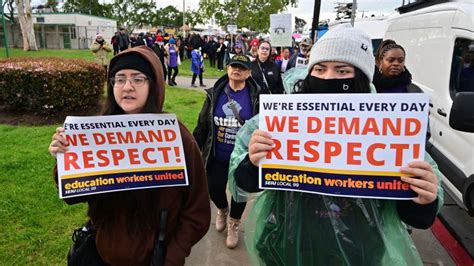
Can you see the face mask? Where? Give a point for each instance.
(316, 85)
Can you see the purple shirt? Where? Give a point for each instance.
(173, 57)
(226, 125)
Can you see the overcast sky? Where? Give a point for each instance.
(305, 7)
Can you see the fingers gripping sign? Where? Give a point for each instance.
(423, 181)
(58, 143)
(260, 144)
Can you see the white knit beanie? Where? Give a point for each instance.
(345, 44)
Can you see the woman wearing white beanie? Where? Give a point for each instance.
(294, 228)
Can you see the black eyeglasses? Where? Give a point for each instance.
(121, 81)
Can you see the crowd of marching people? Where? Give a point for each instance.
(218, 49)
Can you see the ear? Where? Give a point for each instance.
(377, 62)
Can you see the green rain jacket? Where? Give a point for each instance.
(294, 228)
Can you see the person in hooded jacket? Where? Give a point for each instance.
(197, 66)
(127, 223)
(232, 100)
(391, 74)
(266, 72)
(296, 228)
(101, 49)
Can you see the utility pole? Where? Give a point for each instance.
(5, 36)
(184, 18)
(353, 13)
(314, 26)
(234, 21)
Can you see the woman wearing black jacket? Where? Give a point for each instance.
(265, 72)
(232, 101)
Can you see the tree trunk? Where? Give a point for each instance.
(26, 24)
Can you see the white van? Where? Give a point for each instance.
(375, 27)
(438, 37)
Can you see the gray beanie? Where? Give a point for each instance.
(345, 44)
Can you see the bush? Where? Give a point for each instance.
(50, 85)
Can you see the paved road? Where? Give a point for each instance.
(185, 82)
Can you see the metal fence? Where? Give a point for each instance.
(58, 36)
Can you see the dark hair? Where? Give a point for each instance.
(261, 42)
(137, 210)
(386, 46)
(361, 83)
(112, 108)
(137, 206)
(270, 52)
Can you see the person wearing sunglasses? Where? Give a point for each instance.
(266, 72)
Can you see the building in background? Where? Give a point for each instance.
(64, 30)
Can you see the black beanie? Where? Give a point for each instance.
(132, 61)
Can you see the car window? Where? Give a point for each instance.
(462, 67)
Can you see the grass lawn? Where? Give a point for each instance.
(36, 226)
(184, 68)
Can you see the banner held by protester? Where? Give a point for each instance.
(343, 144)
(121, 152)
(280, 30)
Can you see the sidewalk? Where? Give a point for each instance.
(185, 82)
(211, 250)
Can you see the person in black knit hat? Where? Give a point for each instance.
(129, 223)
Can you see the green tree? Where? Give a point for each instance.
(169, 15)
(53, 4)
(91, 7)
(134, 13)
(194, 17)
(252, 14)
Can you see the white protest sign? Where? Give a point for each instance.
(232, 29)
(121, 152)
(301, 62)
(280, 30)
(343, 144)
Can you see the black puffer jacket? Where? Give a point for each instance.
(204, 131)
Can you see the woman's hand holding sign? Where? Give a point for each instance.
(424, 182)
(59, 143)
(260, 144)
